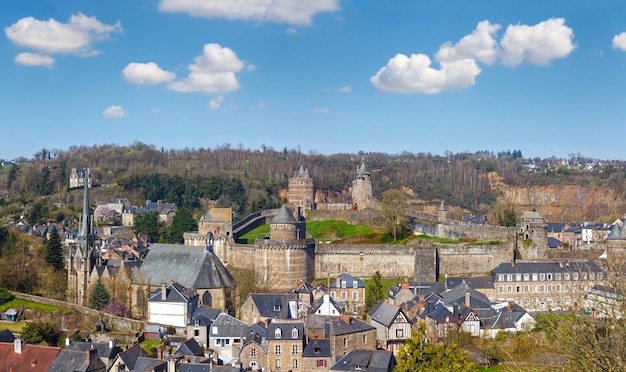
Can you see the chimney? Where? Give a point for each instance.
(512, 263)
(111, 344)
(92, 356)
(68, 341)
(159, 352)
(338, 282)
(18, 345)
(467, 298)
(346, 318)
(405, 284)
(163, 292)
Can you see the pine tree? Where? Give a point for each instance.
(183, 221)
(53, 250)
(99, 296)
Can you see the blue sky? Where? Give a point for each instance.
(325, 76)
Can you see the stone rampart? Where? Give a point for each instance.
(465, 259)
(367, 217)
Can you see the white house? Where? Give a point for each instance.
(172, 305)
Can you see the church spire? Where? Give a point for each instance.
(85, 224)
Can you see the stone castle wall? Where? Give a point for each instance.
(283, 266)
(472, 259)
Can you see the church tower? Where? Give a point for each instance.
(82, 257)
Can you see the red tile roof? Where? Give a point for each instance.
(32, 358)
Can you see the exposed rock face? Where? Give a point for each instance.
(564, 202)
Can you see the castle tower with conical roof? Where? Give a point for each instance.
(82, 258)
(287, 258)
(362, 194)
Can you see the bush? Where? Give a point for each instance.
(117, 308)
(38, 332)
(5, 296)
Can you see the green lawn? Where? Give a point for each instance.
(150, 346)
(13, 327)
(323, 230)
(16, 302)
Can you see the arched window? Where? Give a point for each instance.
(207, 299)
(278, 333)
(294, 333)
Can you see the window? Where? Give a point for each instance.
(518, 289)
(196, 332)
(525, 289)
(541, 288)
(542, 277)
(566, 287)
(509, 277)
(599, 275)
(355, 296)
(364, 339)
(294, 364)
(253, 351)
(518, 277)
(294, 349)
(277, 350)
(566, 300)
(321, 363)
(332, 295)
(575, 276)
(534, 277)
(500, 289)
(526, 277)
(509, 289)
(344, 296)
(354, 308)
(526, 301)
(355, 284)
(214, 330)
(399, 333)
(534, 288)
(584, 276)
(558, 276)
(566, 276)
(592, 276)
(222, 342)
(558, 288)
(343, 284)
(549, 287)
(278, 333)
(500, 277)
(549, 276)
(277, 363)
(294, 333)
(345, 342)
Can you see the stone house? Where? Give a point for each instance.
(483, 284)
(349, 292)
(226, 335)
(198, 326)
(393, 326)
(347, 333)
(260, 307)
(316, 355)
(366, 360)
(285, 343)
(166, 212)
(254, 352)
(126, 360)
(406, 291)
(77, 178)
(541, 286)
(326, 306)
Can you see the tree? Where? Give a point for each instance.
(115, 307)
(53, 250)
(37, 332)
(374, 290)
(103, 214)
(99, 296)
(147, 223)
(5, 296)
(417, 354)
(183, 221)
(393, 205)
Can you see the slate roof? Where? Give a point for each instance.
(76, 361)
(190, 266)
(218, 215)
(228, 326)
(150, 365)
(545, 267)
(284, 216)
(131, 355)
(190, 347)
(556, 227)
(554, 243)
(255, 334)
(475, 220)
(337, 326)
(363, 170)
(273, 305)
(531, 215)
(203, 316)
(173, 293)
(286, 328)
(25, 362)
(317, 348)
(349, 279)
(437, 311)
(366, 360)
(315, 306)
(478, 282)
(104, 349)
(456, 296)
(384, 313)
(305, 288)
(6, 336)
(419, 288)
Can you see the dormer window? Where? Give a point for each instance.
(294, 333)
(214, 330)
(278, 333)
(343, 284)
(355, 284)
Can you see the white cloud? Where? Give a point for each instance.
(619, 41)
(34, 59)
(51, 36)
(415, 75)
(538, 44)
(345, 89)
(293, 12)
(114, 112)
(216, 103)
(213, 72)
(146, 73)
(261, 105)
(480, 45)
(322, 110)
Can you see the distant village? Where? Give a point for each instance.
(185, 295)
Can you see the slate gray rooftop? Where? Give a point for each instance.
(284, 216)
